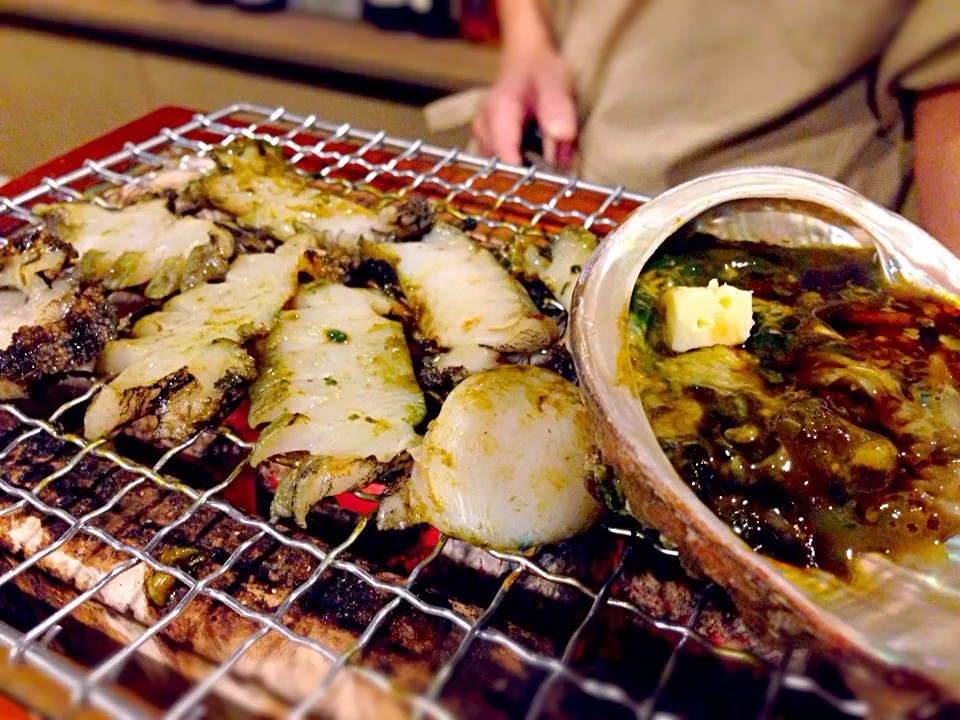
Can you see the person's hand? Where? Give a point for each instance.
(533, 82)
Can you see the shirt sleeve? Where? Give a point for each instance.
(924, 54)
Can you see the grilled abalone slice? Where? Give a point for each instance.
(506, 464)
(167, 181)
(558, 264)
(28, 257)
(337, 393)
(48, 324)
(50, 330)
(256, 185)
(885, 617)
(183, 363)
(465, 301)
(143, 244)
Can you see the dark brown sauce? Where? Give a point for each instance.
(835, 429)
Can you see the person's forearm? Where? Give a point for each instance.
(937, 164)
(523, 26)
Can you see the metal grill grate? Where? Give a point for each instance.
(682, 663)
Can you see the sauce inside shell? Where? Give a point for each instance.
(835, 429)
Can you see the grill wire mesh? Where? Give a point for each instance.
(684, 670)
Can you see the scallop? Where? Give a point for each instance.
(506, 464)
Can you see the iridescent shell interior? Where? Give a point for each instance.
(887, 621)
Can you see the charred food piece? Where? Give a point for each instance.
(410, 219)
(49, 331)
(47, 325)
(185, 362)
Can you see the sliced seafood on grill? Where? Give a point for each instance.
(557, 265)
(506, 464)
(185, 363)
(26, 258)
(465, 301)
(337, 387)
(256, 185)
(143, 244)
(48, 324)
(167, 181)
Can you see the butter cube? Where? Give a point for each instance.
(699, 317)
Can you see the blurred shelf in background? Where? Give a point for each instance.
(72, 69)
(311, 39)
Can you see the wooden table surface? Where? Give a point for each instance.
(355, 48)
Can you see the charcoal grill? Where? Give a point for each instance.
(628, 634)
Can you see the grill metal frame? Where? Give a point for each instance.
(95, 686)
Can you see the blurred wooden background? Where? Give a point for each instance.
(71, 70)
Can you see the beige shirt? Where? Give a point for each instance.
(672, 89)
